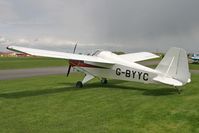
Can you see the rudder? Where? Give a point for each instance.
(175, 65)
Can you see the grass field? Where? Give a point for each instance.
(52, 104)
(194, 66)
(29, 62)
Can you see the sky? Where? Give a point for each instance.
(115, 25)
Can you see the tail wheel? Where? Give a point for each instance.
(79, 84)
(178, 90)
(104, 81)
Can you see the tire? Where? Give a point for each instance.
(79, 84)
(104, 81)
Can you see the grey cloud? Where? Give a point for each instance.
(145, 18)
(129, 25)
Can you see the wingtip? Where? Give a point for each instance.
(8, 47)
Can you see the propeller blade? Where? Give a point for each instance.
(69, 70)
(69, 61)
(75, 48)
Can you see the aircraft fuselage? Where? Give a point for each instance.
(130, 71)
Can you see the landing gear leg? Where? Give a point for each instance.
(87, 78)
(104, 81)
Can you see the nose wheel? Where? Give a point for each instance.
(79, 84)
(87, 78)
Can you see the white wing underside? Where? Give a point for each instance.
(141, 56)
(60, 55)
(133, 57)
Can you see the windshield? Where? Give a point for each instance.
(96, 52)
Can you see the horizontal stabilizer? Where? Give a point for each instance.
(141, 56)
(169, 81)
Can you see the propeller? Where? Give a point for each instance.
(68, 72)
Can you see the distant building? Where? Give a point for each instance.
(22, 55)
(13, 54)
(7, 54)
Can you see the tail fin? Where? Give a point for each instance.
(174, 67)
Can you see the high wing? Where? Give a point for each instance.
(60, 55)
(141, 56)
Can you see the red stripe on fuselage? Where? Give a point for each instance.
(77, 63)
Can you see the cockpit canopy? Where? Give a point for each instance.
(96, 52)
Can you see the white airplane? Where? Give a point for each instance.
(173, 69)
(195, 58)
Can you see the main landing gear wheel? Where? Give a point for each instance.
(79, 84)
(104, 81)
